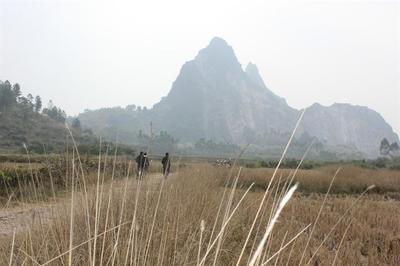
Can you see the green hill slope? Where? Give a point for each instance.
(22, 121)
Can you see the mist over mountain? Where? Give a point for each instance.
(214, 98)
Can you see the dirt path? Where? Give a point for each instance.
(24, 216)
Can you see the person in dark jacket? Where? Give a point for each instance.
(145, 163)
(166, 163)
(140, 163)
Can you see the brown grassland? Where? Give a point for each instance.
(200, 215)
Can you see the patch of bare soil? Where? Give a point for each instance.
(24, 216)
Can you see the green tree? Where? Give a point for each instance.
(17, 90)
(7, 97)
(38, 104)
(31, 104)
(76, 124)
(55, 113)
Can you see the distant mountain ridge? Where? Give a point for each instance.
(214, 98)
(350, 125)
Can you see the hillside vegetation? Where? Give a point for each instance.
(24, 121)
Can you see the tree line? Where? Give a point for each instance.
(12, 100)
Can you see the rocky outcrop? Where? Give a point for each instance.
(214, 98)
(349, 125)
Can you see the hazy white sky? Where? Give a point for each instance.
(91, 54)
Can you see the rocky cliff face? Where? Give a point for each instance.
(214, 98)
(349, 125)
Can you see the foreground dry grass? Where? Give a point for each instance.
(179, 221)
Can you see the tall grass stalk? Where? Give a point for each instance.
(270, 226)
(202, 228)
(121, 215)
(341, 241)
(226, 215)
(149, 239)
(12, 248)
(110, 192)
(225, 224)
(80, 245)
(97, 206)
(268, 187)
(71, 227)
(227, 182)
(85, 192)
(286, 245)
(132, 230)
(31, 171)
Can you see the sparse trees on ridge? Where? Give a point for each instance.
(11, 99)
(388, 149)
(76, 124)
(55, 113)
(38, 104)
(7, 97)
(17, 90)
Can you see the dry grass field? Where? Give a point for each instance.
(202, 215)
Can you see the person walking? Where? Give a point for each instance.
(145, 163)
(166, 163)
(140, 164)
